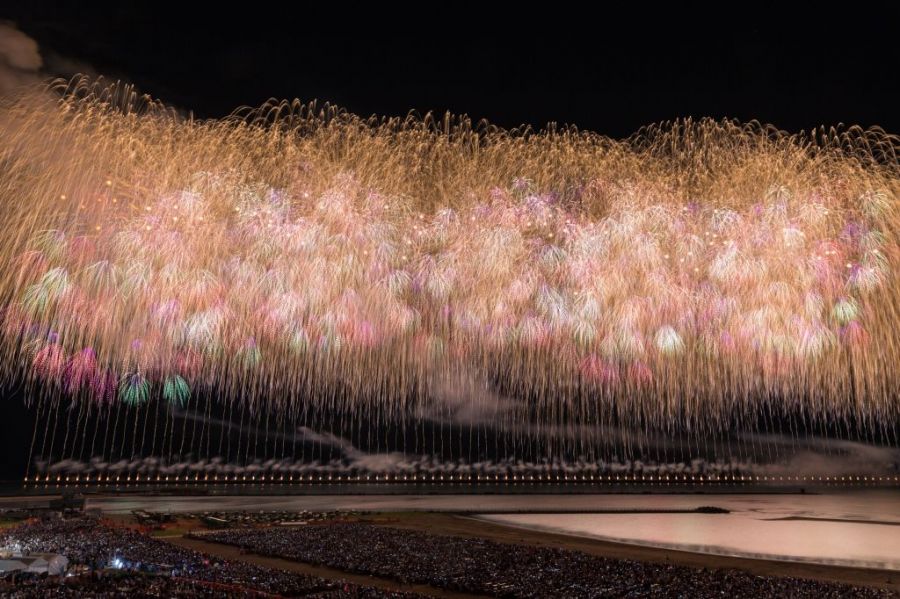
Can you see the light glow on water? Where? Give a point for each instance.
(867, 535)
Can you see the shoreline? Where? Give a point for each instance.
(690, 549)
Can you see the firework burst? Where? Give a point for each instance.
(688, 275)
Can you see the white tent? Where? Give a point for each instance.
(37, 563)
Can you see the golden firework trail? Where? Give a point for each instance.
(693, 276)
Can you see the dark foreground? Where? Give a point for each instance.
(399, 556)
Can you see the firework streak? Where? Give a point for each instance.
(690, 277)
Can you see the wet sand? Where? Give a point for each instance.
(852, 521)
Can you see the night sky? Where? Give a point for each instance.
(611, 74)
(605, 72)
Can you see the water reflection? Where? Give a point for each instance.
(854, 529)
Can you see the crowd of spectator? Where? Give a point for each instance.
(481, 566)
(131, 585)
(118, 562)
(239, 518)
(125, 584)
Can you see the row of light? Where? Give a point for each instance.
(48, 479)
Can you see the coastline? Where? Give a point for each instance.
(709, 550)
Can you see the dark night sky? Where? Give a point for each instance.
(607, 73)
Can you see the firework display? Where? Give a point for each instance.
(696, 276)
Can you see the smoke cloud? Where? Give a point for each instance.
(20, 59)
